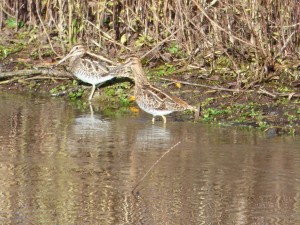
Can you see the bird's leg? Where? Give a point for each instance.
(91, 109)
(164, 119)
(153, 119)
(92, 92)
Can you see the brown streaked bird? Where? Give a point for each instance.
(150, 98)
(92, 69)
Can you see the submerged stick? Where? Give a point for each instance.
(137, 184)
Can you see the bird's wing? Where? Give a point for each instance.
(161, 99)
(94, 67)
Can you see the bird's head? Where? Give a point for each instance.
(76, 51)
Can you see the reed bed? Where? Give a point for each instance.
(259, 32)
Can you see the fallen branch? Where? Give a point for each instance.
(289, 95)
(47, 78)
(34, 72)
(21, 73)
(276, 94)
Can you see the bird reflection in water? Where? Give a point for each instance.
(90, 124)
(154, 136)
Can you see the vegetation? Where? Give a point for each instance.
(260, 32)
(237, 47)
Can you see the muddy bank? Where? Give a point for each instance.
(272, 106)
(252, 108)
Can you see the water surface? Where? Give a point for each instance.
(63, 165)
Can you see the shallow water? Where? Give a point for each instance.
(63, 165)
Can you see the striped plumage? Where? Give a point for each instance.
(150, 98)
(91, 68)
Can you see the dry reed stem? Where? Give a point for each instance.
(160, 43)
(45, 30)
(105, 36)
(260, 91)
(265, 31)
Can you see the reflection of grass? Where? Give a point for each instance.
(115, 112)
(80, 105)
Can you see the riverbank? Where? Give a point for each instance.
(272, 105)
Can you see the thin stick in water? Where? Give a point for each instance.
(137, 184)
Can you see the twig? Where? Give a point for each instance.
(221, 28)
(22, 73)
(160, 43)
(106, 35)
(289, 95)
(205, 86)
(47, 78)
(263, 91)
(8, 81)
(45, 30)
(288, 40)
(137, 184)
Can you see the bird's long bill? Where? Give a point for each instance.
(64, 59)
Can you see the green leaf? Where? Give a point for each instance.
(11, 23)
(53, 90)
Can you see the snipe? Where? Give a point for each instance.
(150, 98)
(92, 69)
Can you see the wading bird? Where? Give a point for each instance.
(150, 98)
(92, 69)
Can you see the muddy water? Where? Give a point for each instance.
(63, 165)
